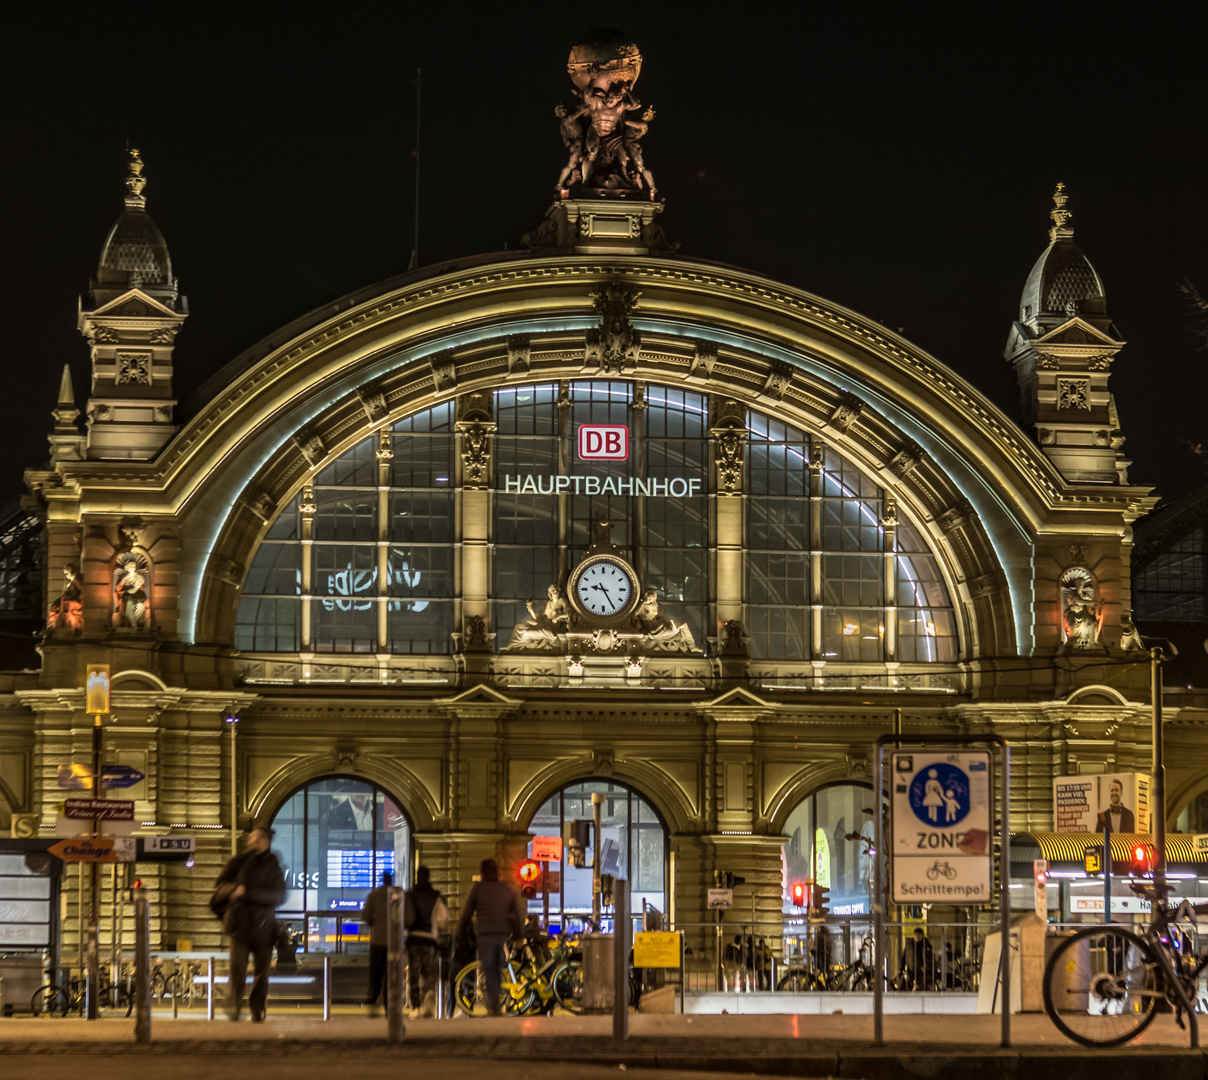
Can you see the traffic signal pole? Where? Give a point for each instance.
(1158, 791)
(94, 883)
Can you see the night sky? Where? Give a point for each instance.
(897, 159)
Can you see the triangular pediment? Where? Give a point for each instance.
(1077, 332)
(133, 304)
(738, 698)
(480, 696)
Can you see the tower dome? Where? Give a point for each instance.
(1063, 283)
(135, 254)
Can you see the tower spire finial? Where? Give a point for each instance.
(1059, 214)
(135, 182)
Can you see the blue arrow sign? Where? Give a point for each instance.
(119, 776)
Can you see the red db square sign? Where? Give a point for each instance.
(603, 442)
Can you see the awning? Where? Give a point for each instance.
(1065, 851)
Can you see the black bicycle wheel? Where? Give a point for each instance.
(50, 1000)
(567, 983)
(117, 998)
(1102, 986)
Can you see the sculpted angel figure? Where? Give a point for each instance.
(130, 605)
(664, 633)
(542, 629)
(1081, 612)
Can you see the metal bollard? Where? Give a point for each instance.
(209, 988)
(142, 969)
(440, 987)
(620, 980)
(176, 989)
(1, 995)
(395, 1029)
(327, 987)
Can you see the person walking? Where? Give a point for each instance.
(253, 885)
(499, 922)
(376, 912)
(426, 915)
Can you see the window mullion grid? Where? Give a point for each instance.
(889, 523)
(814, 552)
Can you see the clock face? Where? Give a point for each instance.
(603, 588)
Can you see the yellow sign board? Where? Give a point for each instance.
(656, 949)
(96, 693)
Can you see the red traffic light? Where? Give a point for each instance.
(530, 871)
(799, 893)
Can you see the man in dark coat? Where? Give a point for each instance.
(250, 919)
(499, 922)
(425, 918)
(376, 913)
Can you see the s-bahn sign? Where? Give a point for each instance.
(941, 807)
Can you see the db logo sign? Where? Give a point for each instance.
(603, 442)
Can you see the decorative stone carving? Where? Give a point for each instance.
(615, 345)
(132, 535)
(1081, 610)
(131, 590)
(519, 353)
(312, 446)
(661, 634)
(703, 359)
(733, 639)
(162, 335)
(384, 451)
(905, 461)
(955, 517)
(846, 412)
(816, 459)
(889, 519)
(260, 503)
(983, 585)
(373, 401)
(730, 441)
(1074, 394)
(1100, 363)
(1078, 554)
(133, 368)
(778, 381)
(105, 335)
(98, 413)
(475, 454)
(602, 126)
(540, 631)
(344, 758)
(68, 610)
(307, 503)
(444, 370)
(474, 633)
(1130, 636)
(1047, 362)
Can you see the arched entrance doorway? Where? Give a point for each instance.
(335, 837)
(634, 847)
(831, 835)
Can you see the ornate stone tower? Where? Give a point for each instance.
(1062, 348)
(131, 326)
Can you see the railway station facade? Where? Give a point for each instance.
(437, 561)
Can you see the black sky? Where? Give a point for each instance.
(898, 159)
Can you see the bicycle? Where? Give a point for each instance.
(60, 999)
(526, 986)
(1103, 985)
(802, 979)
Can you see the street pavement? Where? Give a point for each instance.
(297, 1044)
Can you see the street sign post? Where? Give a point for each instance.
(656, 949)
(99, 809)
(941, 805)
(75, 777)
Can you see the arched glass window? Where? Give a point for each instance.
(335, 837)
(830, 842)
(831, 573)
(541, 532)
(371, 570)
(634, 847)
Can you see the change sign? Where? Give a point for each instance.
(941, 827)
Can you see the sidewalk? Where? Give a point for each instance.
(937, 1047)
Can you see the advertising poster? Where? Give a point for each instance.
(1080, 803)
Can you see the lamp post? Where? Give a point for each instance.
(232, 721)
(1158, 792)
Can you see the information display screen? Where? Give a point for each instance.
(353, 868)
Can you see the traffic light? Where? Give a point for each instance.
(821, 900)
(729, 880)
(530, 873)
(799, 894)
(1040, 871)
(1141, 860)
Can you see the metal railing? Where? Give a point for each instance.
(833, 956)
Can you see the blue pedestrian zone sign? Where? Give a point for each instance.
(939, 795)
(941, 827)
